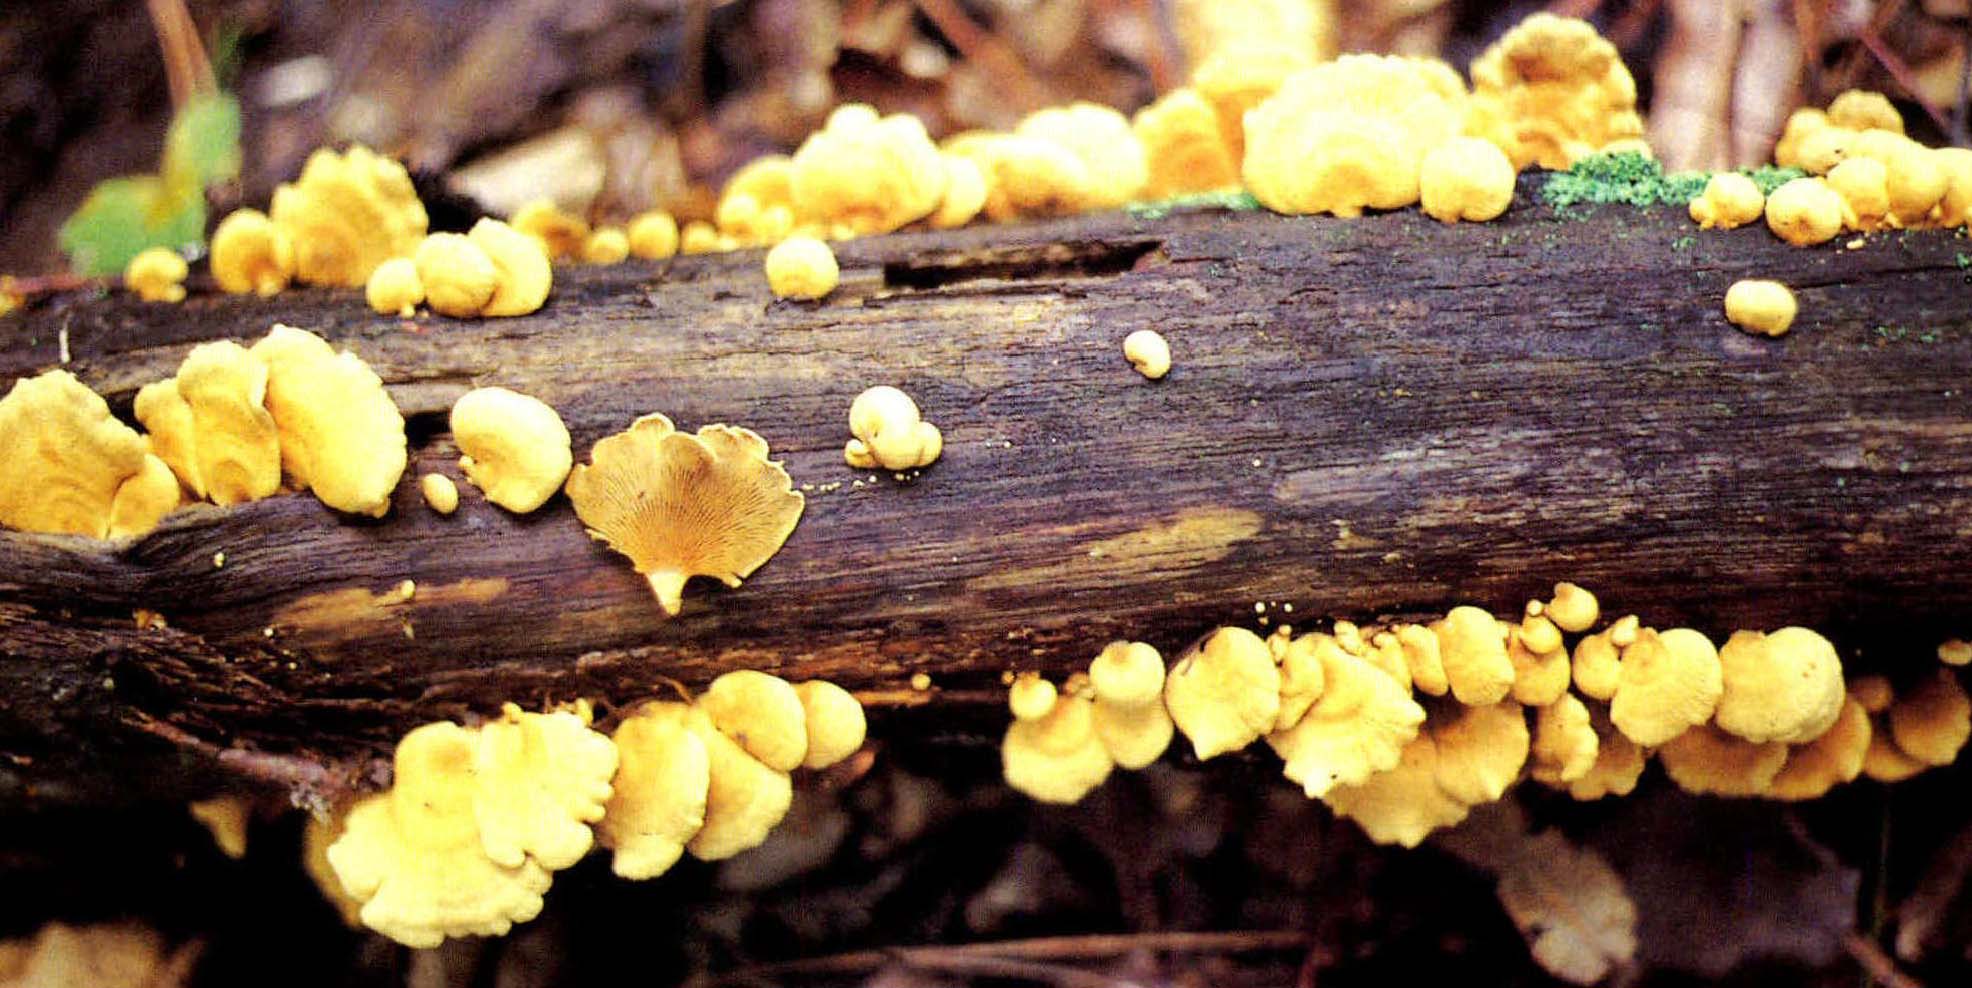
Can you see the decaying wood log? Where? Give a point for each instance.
(1377, 417)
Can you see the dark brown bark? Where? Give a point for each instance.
(1385, 416)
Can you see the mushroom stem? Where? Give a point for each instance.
(669, 586)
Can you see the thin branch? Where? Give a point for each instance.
(1875, 963)
(976, 44)
(1902, 74)
(1066, 948)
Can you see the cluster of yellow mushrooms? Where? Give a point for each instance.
(1404, 728)
(477, 819)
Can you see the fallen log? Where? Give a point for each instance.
(1375, 417)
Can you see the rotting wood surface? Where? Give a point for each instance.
(1384, 416)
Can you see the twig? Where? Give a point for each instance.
(975, 44)
(999, 967)
(1875, 963)
(187, 70)
(1902, 74)
(1037, 949)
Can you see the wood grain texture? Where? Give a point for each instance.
(1375, 417)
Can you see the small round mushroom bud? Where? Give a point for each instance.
(439, 492)
(1147, 351)
(1828, 761)
(1805, 212)
(1128, 673)
(1759, 306)
(1597, 665)
(890, 432)
(459, 278)
(251, 254)
(561, 233)
(1539, 678)
(609, 245)
(1730, 201)
(514, 447)
(1540, 634)
(699, 237)
(1056, 758)
(1931, 721)
(653, 235)
(1466, 178)
(1625, 630)
(763, 713)
(1223, 692)
(525, 274)
(835, 722)
(1473, 650)
(1955, 652)
(1572, 609)
(1785, 686)
(1669, 683)
(802, 268)
(157, 275)
(1130, 719)
(394, 288)
(1707, 761)
(1031, 697)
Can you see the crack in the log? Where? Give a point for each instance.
(1020, 262)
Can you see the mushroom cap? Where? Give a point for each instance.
(1669, 683)
(1551, 91)
(525, 276)
(1618, 762)
(1422, 658)
(1884, 761)
(1864, 185)
(251, 254)
(871, 174)
(1572, 609)
(1025, 176)
(1539, 678)
(1480, 750)
(1183, 147)
(1785, 686)
(1730, 200)
(682, 505)
(889, 432)
(235, 441)
(341, 434)
(1237, 76)
(1301, 677)
(1466, 178)
(1760, 306)
(1404, 803)
(653, 235)
(1955, 206)
(768, 180)
(542, 779)
(1707, 761)
(1955, 652)
(1127, 674)
(1134, 735)
(763, 713)
(744, 798)
(413, 856)
(559, 233)
(1472, 649)
(657, 799)
(439, 492)
(157, 274)
(144, 499)
(1918, 180)
(1860, 109)
(1931, 720)
(1057, 758)
(512, 446)
(834, 720)
(394, 288)
(1802, 122)
(1148, 352)
(1358, 728)
(965, 193)
(169, 429)
(1031, 696)
(458, 276)
(1827, 761)
(1104, 142)
(346, 214)
(606, 245)
(66, 457)
(1597, 666)
(1804, 212)
(801, 268)
(1565, 743)
(1223, 692)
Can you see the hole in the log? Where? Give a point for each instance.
(1017, 262)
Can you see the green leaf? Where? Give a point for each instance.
(123, 216)
(204, 140)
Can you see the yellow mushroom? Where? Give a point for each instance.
(1031, 696)
(560, 234)
(1864, 185)
(1127, 679)
(1422, 659)
(236, 443)
(1873, 692)
(346, 214)
(458, 277)
(1025, 176)
(251, 254)
(682, 505)
(744, 798)
(540, 781)
(1955, 652)
(965, 193)
(890, 433)
(1539, 677)
(524, 274)
(1466, 178)
(1099, 137)
(1057, 757)
(143, 499)
(658, 796)
(801, 268)
(1472, 649)
(699, 237)
(1551, 91)
(1301, 674)
(1572, 609)
(608, 245)
(1234, 78)
(1804, 212)
(761, 712)
(653, 235)
(1223, 692)
(157, 274)
(1785, 686)
(1597, 659)
(512, 446)
(1707, 761)
(394, 288)
(1802, 122)
(341, 435)
(1183, 146)
(1931, 721)
(1404, 803)
(1480, 750)
(1861, 109)
(1564, 744)
(1618, 763)
(1760, 307)
(1357, 728)
(1730, 201)
(1669, 682)
(834, 721)
(870, 174)
(1955, 206)
(1812, 769)
(1147, 351)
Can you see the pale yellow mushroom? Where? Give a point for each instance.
(1058, 757)
(439, 492)
(890, 433)
(458, 277)
(157, 274)
(801, 268)
(763, 713)
(1147, 351)
(513, 447)
(658, 795)
(1127, 679)
(834, 721)
(1223, 692)
(1669, 682)
(1760, 307)
(524, 276)
(653, 235)
(394, 288)
(251, 254)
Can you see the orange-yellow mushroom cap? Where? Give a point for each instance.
(1931, 720)
(871, 174)
(1730, 201)
(1669, 683)
(1707, 761)
(237, 446)
(890, 432)
(801, 268)
(1564, 744)
(341, 434)
(512, 446)
(1480, 750)
(394, 288)
(1102, 139)
(346, 214)
(1059, 757)
(560, 233)
(1404, 803)
(1473, 651)
(1127, 679)
(834, 720)
(763, 713)
(143, 499)
(251, 254)
(744, 798)
(523, 276)
(1551, 91)
(1804, 212)
(1183, 146)
(1357, 728)
(683, 505)
(1785, 686)
(1466, 178)
(67, 457)
(1301, 675)
(157, 274)
(542, 780)
(458, 277)
(1827, 761)
(653, 235)
(1618, 763)
(658, 796)
(1223, 692)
